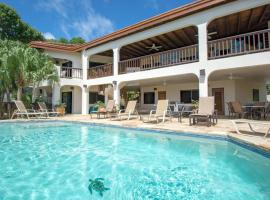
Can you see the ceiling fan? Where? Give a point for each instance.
(232, 77)
(154, 47)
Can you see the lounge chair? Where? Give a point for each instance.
(22, 111)
(43, 108)
(206, 111)
(110, 108)
(250, 123)
(160, 112)
(128, 112)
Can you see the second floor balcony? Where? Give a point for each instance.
(71, 72)
(100, 71)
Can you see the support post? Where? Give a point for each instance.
(116, 59)
(116, 94)
(56, 94)
(202, 39)
(203, 83)
(84, 65)
(85, 100)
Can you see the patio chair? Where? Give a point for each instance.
(160, 112)
(110, 108)
(22, 111)
(128, 112)
(43, 108)
(206, 111)
(238, 110)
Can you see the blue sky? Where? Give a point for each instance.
(88, 19)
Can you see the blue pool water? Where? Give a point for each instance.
(55, 160)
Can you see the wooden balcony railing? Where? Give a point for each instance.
(71, 72)
(240, 44)
(100, 71)
(162, 59)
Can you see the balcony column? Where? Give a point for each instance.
(116, 93)
(116, 59)
(203, 83)
(84, 65)
(85, 100)
(56, 94)
(202, 39)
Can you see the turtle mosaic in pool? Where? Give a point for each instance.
(58, 160)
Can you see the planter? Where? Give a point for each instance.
(268, 98)
(61, 110)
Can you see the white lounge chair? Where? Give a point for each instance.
(110, 108)
(206, 111)
(160, 112)
(250, 123)
(43, 108)
(22, 111)
(128, 112)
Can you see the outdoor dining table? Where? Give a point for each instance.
(252, 108)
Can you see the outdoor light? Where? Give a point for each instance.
(114, 83)
(85, 86)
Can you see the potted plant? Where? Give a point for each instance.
(60, 108)
(100, 106)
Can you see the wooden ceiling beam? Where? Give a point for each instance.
(250, 19)
(187, 37)
(178, 38)
(262, 14)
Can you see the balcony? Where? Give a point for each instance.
(248, 43)
(71, 72)
(100, 71)
(168, 58)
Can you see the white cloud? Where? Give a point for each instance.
(79, 18)
(95, 25)
(152, 4)
(49, 36)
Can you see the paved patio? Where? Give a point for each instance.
(224, 127)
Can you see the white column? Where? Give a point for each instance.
(116, 59)
(56, 94)
(84, 65)
(203, 83)
(202, 39)
(116, 94)
(85, 100)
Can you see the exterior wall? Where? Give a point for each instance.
(244, 90)
(76, 98)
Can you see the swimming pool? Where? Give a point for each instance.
(55, 160)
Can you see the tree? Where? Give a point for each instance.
(77, 40)
(13, 28)
(23, 66)
(63, 40)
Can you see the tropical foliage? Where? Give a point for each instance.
(13, 28)
(74, 40)
(22, 66)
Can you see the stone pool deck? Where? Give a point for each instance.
(224, 128)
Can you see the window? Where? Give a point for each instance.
(187, 96)
(256, 95)
(149, 98)
(94, 97)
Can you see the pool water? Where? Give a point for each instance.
(55, 160)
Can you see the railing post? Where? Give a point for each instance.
(202, 40)
(116, 59)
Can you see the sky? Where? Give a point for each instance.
(88, 19)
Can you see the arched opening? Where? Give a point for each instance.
(100, 65)
(240, 33)
(172, 48)
(247, 85)
(71, 96)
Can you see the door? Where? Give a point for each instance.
(218, 93)
(161, 95)
(67, 99)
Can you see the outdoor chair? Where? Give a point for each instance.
(110, 108)
(160, 112)
(128, 112)
(238, 110)
(43, 108)
(206, 112)
(22, 111)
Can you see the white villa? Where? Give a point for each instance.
(215, 48)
